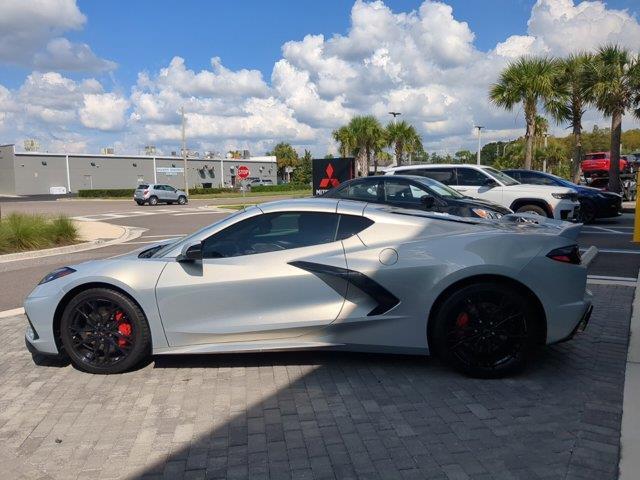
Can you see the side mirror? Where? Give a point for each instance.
(490, 183)
(427, 201)
(190, 253)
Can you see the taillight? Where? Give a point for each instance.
(145, 192)
(570, 254)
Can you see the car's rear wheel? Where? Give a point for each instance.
(182, 200)
(104, 331)
(139, 202)
(153, 200)
(535, 209)
(587, 211)
(485, 330)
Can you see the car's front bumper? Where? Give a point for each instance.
(566, 210)
(606, 208)
(39, 311)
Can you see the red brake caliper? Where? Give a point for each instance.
(124, 328)
(463, 320)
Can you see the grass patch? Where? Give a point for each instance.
(21, 232)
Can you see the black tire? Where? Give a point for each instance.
(153, 200)
(182, 200)
(139, 203)
(535, 209)
(587, 211)
(485, 330)
(103, 331)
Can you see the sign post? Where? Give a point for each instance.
(636, 223)
(243, 174)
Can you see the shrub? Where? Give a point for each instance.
(21, 231)
(285, 187)
(105, 192)
(209, 191)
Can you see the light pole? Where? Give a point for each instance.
(544, 163)
(395, 114)
(479, 127)
(184, 155)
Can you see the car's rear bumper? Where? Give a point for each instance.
(569, 319)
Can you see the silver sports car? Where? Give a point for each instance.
(328, 274)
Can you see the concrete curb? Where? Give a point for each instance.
(12, 313)
(629, 465)
(128, 233)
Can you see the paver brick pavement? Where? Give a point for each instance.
(320, 415)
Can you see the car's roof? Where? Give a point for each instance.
(433, 165)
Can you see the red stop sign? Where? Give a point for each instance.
(243, 171)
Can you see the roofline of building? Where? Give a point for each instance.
(261, 158)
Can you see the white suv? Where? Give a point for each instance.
(490, 184)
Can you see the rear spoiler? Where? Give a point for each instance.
(564, 229)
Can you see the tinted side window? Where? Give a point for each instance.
(366, 191)
(471, 177)
(514, 174)
(537, 180)
(352, 224)
(272, 232)
(402, 193)
(443, 175)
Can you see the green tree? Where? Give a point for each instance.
(463, 156)
(573, 76)
(302, 174)
(346, 141)
(404, 138)
(528, 81)
(365, 137)
(286, 156)
(613, 81)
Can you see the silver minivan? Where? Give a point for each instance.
(154, 193)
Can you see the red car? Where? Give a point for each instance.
(598, 163)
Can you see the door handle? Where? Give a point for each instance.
(462, 189)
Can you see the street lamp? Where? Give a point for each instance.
(479, 127)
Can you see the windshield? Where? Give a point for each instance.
(440, 188)
(187, 239)
(501, 176)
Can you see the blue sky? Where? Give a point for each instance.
(70, 69)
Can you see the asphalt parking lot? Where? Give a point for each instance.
(315, 414)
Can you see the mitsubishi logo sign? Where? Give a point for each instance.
(328, 173)
(329, 181)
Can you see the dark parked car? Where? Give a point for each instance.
(409, 191)
(594, 203)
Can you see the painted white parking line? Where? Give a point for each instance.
(598, 232)
(609, 277)
(610, 230)
(165, 236)
(11, 313)
(195, 213)
(618, 250)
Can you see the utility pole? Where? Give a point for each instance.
(184, 155)
(544, 164)
(479, 127)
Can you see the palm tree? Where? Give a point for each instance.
(369, 139)
(403, 137)
(613, 81)
(528, 80)
(573, 76)
(344, 137)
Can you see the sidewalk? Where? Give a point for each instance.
(628, 207)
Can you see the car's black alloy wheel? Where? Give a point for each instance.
(587, 211)
(485, 330)
(104, 331)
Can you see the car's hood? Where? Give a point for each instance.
(477, 203)
(544, 189)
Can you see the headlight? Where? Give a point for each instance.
(57, 273)
(482, 213)
(563, 195)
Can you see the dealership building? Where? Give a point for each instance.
(31, 173)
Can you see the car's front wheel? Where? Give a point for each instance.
(182, 200)
(104, 331)
(587, 211)
(485, 330)
(535, 209)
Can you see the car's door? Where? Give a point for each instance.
(248, 287)
(474, 183)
